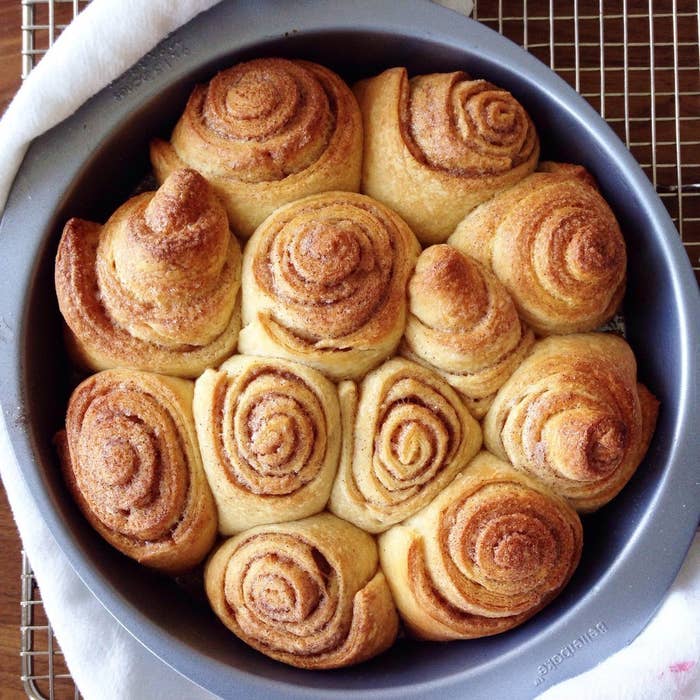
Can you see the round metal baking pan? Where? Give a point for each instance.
(90, 163)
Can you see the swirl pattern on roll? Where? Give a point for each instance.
(555, 244)
(463, 323)
(157, 287)
(269, 434)
(324, 284)
(267, 132)
(488, 553)
(130, 459)
(438, 145)
(406, 434)
(573, 416)
(308, 593)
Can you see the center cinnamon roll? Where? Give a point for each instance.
(324, 284)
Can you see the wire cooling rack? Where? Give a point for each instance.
(636, 61)
(44, 671)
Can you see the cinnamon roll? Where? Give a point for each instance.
(267, 132)
(308, 593)
(488, 553)
(157, 287)
(406, 434)
(573, 416)
(131, 462)
(555, 244)
(324, 284)
(437, 145)
(463, 323)
(269, 431)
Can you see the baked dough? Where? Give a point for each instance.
(267, 132)
(488, 553)
(406, 435)
(131, 462)
(555, 244)
(157, 287)
(463, 323)
(309, 593)
(573, 416)
(269, 431)
(324, 284)
(437, 145)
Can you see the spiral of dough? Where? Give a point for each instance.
(157, 287)
(463, 323)
(130, 459)
(324, 283)
(489, 552)
(269, 431)
(266, 132)
(555, 244)
(573, 416)
(309, 593)
(438, 145)
(406, 434)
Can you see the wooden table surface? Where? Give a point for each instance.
(10, 551)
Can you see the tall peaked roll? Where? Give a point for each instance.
(463, 323)
(157, 287)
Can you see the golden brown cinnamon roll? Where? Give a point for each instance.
(555, 244)
(489, 552)
(265, 133)
(437, 145)
(130, 459)
(406, 434)
(573, 416)
(308, 593)
(157, 287)
(324, 283)
(269, 431)
(463, 323)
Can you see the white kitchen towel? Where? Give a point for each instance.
(106, 662)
